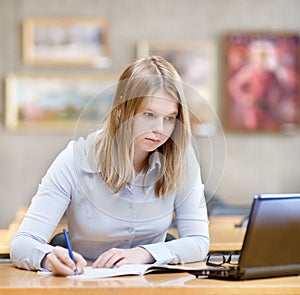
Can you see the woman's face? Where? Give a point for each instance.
(154, 122)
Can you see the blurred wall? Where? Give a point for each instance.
(254, 162)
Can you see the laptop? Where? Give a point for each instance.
(271, 245)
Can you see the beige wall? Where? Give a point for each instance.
(254, 163)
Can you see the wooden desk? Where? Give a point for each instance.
(5, 238)
(21, 282)
(224, 235)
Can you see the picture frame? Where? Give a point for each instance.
(261, 81)
(73, 41)
(194, 60)
(57, 102)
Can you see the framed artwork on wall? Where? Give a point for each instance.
(195, 63)
(261, 81)
(66, 42)
(57, 102)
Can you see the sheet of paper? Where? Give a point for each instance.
(97, 273)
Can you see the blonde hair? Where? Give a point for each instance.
(113, 150)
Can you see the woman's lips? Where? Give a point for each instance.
(152, 140)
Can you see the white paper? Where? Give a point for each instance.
(97, 273)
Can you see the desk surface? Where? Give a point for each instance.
(224, 235)
(16, 282)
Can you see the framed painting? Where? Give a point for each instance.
(195, 63)
(66, 42)
(57, 102)
(261, 81)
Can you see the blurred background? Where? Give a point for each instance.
(237, 162)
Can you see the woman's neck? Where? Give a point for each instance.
(139, 161)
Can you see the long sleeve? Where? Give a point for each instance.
(29, 245)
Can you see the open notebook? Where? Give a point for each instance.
(129, 269)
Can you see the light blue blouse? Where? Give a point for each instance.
(99, 219)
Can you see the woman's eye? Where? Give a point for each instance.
(170, 118)
(148, 114)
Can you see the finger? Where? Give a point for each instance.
(103, 259)
(63, 255)
(57, 266)
(121, 262)
(115, 258)
(80, 262)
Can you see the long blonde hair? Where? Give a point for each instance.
(113, 150)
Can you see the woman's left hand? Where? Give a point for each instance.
(116, 257)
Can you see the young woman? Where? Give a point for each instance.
(122, 184)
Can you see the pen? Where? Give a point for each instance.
(70, 249)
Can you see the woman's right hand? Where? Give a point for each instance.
(60, 263)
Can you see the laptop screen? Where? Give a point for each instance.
(273, 233)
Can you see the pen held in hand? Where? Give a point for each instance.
(70, 249)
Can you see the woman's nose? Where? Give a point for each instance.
(158, 125)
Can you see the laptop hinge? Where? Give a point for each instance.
(272, 270)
